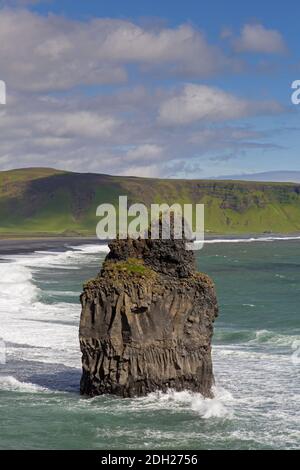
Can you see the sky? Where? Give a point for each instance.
(173, 89)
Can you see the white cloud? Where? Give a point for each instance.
(144, 152)
(257, 38)
(40, 53)
(80, 124)
(122, 131)
(116, 133)
(50, 122)
(209, 104)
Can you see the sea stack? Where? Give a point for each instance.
(147, 322)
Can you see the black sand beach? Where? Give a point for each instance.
(19, 246)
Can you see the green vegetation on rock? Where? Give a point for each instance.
(130, 266)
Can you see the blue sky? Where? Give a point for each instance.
(169, 89)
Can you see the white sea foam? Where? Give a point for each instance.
(26, 320)
(217, 407)
(101, 248)
(16, 285)
(69, 259)
(8, 382)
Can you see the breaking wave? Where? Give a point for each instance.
(254, 337)
(32, 321)
(218, 407)
(10, 383)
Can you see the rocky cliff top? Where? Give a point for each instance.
(167, 256)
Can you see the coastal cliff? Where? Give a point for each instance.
(147, 322)
(39, 202)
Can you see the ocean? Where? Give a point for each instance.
(256, 356)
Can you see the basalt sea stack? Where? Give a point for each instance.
(147, 321)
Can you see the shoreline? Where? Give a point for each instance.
(9, 246)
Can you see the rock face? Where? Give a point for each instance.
(147, 322)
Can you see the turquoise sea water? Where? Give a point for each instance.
(256, 358)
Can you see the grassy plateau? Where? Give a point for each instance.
(37, 202)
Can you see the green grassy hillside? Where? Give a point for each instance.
(42, 201)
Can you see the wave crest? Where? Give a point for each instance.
(10, 383)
